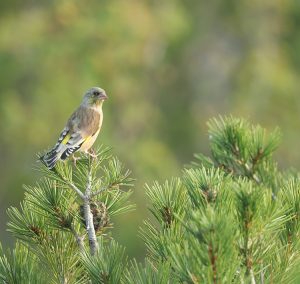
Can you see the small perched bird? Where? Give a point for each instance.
(81, 130)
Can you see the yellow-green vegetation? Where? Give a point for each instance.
(230, 218)
(167, 67)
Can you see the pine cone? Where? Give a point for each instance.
(100, 215)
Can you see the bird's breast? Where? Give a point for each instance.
(93, 128)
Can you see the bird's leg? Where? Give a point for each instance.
(74, 159)
(92, 153)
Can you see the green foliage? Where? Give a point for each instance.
(242, 149)
(108, 265)
(204, 185)
(157, 240)
(163, 199)
(232, 218)
(53, 202)
(52, 228)
(20, 266)
(58, 257)
(164, 208)
(149, 274)
(208, 242)
(238, 213)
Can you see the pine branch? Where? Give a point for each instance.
(107, 265)
(233, 219)
(61, 174)
(102, 189)
(150, 273)
(82, 181)
(20, 266)
(79, 239)
(76, 189)
(89, 216)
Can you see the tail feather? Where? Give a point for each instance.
(51, 158)
(69, 152)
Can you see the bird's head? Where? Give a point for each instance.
(94, 97)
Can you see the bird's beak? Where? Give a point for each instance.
(103, 96)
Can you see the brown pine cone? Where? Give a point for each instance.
(100, 215)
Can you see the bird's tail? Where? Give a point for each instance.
(50, 159)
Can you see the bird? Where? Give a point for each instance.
(81, 130)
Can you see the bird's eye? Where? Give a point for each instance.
(96, 93)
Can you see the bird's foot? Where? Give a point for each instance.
(74, 160)
(91, 152)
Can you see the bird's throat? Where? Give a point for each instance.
(97, 105)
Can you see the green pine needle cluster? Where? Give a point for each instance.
(233, 217)
(50, 228)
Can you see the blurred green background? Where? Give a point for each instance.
(167, 66)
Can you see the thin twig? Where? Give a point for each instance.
(72, 185)
(79, 239)
(213, 258)
(104, 188)
(252, 277)
(76, 189)
(262, 276)
(88, 216)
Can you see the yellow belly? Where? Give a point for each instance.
(89, 142)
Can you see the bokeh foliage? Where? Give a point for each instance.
(167, 66)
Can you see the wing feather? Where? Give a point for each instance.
(81, 126)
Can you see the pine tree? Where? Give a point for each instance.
(230, 218)
(63, 224)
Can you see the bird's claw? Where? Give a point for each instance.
(91, 152)
(74, 160)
